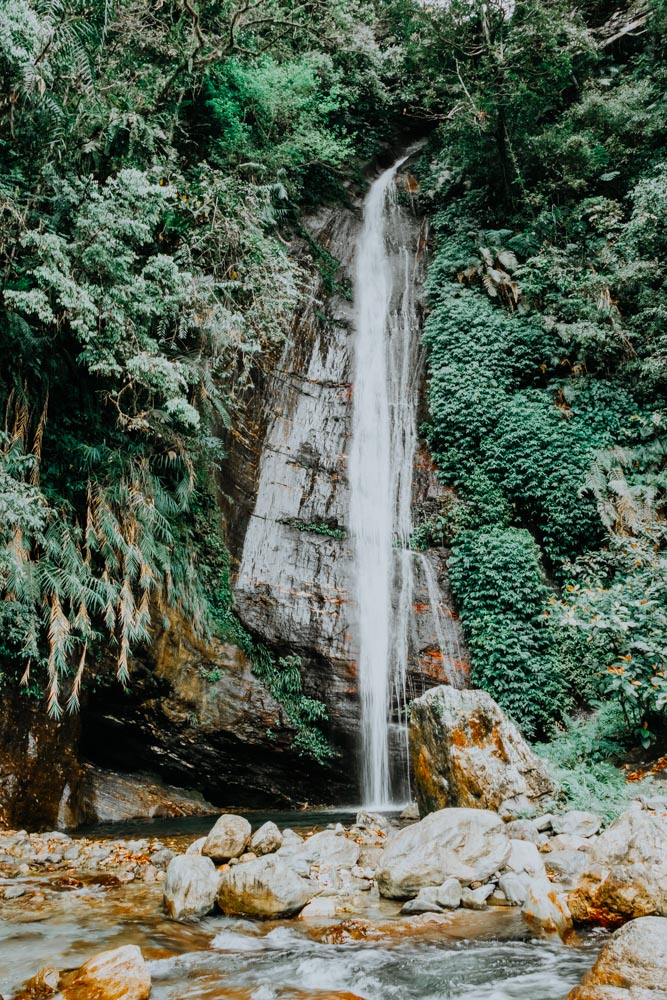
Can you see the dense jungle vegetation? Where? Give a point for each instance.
(155, 160)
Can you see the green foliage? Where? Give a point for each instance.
(328, 528)
(153, 163)
(499, 588)
(547, 185)
(579, 755)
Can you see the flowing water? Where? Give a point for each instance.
(386, 379)
(374, 955)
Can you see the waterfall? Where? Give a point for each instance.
(386, 380)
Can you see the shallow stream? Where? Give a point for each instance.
(371, 953)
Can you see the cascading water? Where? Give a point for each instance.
(386, 379)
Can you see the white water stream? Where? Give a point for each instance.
(386, 380)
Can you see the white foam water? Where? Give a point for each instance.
(384, 435)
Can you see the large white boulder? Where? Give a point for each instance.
(265, 888)
(190, 886)
(547, 909)
(631, 966)
(466, 844)
(228, 838)
(577, 823)
(466, 752)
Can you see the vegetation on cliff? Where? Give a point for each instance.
(150, 157)
(153, 160)
(547, 178)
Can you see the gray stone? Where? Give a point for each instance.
(547, 909)
(266, 888)
(326, 848)
(160, 859)
(448, 895)
(578, 823)
(466, 844)
(476, 899)
(525, 829)
(420, 905)
(566, 866)
(190, 886)
(543, 822)
(267, 839)
(196, 846)
(514, 887)
(410, 812)
(371, 821)
(525, 857)
(571, 842)
(228, 838)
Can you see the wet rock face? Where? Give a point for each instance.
(110, 797)
(294, 581)
(196, 714)
(40, 775)
(466, 752)
(632, 964)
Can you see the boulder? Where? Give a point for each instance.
(514, 887)
(525, 857)
(625, 876)
(420, 904)
(475, 899)
(466, 752)
(547, 909)
(228, 838)
(329, 848)
(266, 888)
(411, 812)
(631, 966)
(609, 897)
(120, 974)
(190, 886)
(266, 840)
(466, 844)
(577, 823)
(448, 895)
(525, 829)
(566, 866)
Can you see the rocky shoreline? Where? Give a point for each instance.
(550, 867)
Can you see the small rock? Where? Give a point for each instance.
(196, 846)
(543, 822)
(266, 840)
(525, 829)
(291, 837)
(571, 842)
(448, 895)
(525, 857)
(410, 812)
(475, 899)
(514, 887)
(190, 886)
(228, 838)
(371, 821)
(566, 866)
(160, 859)
(420, 905)
(14, 891)
(582, 824)
(498, 898)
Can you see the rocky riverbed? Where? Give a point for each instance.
(461, 898)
